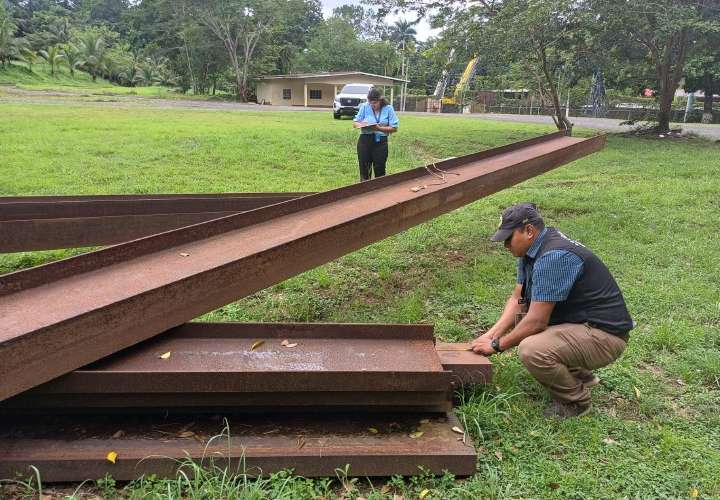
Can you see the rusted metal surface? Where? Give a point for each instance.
(208, 368)
(247, 367)
(73, 450)
(58, 317)
(50, 222)
(467, 367)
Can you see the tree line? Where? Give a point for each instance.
(205, 46)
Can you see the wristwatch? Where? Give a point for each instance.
(495, 344)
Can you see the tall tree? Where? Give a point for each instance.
(239, 25)
(664, 31)
(403, 34)
(335, 46)
(537, 36)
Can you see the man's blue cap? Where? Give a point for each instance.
(515, 217)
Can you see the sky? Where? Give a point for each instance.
(423, 28)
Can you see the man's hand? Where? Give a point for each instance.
(481, 345)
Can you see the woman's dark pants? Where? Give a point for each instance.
(371, 156)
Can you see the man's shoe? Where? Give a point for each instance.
(565, 410)
(589, 379)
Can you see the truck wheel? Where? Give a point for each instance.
(336, 115)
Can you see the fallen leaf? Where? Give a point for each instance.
(609, 441)
(186, 434)
(112, 456)
(637, 392)
(423, 493)
(416, 435)
(257, 344)
(499, 455)
(458, 430)
(680, 381)
(300, 442)
(284, 342)
(694, 493)
(373, 430)
(553, 486)
(291, 345)
(183, 254)
(118, 434)
(425, 421)
(415, 189)
(165, 355)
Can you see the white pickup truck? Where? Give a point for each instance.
(350, 98)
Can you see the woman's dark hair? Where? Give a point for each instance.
(376, 95)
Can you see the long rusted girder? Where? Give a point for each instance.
(366, 366)
(260, 367)
(75, 449)
(58, 317)
(50, 222)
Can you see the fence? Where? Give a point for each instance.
(617, 113)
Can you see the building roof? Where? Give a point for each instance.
(328, 74)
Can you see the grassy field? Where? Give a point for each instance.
(647, 207)
(40, 79)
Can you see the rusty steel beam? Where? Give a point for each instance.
(207, 369)
(74, 449)
(467, 368)
(51, 222)
(246, 367)
(58, 317)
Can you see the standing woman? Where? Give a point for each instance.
(376, 119)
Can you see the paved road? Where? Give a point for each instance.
(709, 131)
(10, 94)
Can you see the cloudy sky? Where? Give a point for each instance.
(423, 29)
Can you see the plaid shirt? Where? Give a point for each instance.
(554, 273)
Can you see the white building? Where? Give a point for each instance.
(316, 89)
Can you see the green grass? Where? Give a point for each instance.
(17, 73)
(40, 79)
(647, 207)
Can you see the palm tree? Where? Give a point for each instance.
(145, 73)
(73, 58)
(403, 35)
(155, 70)
(28, 56)
(53, 56)
(8, 42)
(92, 47)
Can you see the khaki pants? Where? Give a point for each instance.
(555, 355)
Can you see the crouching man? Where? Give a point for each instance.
(566, 313)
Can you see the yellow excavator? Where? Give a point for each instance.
(462, 85)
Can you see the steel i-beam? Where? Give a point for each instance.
(58, 317)
(369, 367)
(48, 222)
(75, 449)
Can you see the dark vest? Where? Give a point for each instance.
(595, 298)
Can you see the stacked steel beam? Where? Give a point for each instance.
(64, 325)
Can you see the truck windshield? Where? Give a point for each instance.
(355, 89)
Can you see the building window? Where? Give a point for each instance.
(287, 94)
(315, 94)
